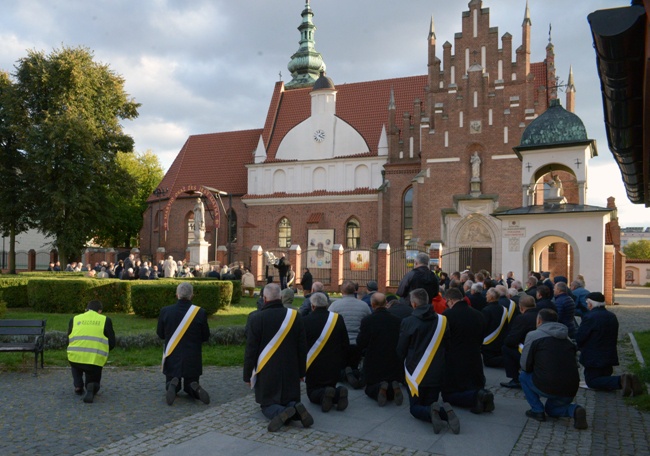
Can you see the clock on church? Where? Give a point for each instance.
(319, 136)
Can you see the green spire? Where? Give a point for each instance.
(306, 64)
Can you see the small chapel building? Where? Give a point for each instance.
(459, 160)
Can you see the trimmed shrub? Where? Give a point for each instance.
(148, 297)
(14, 290)
(3, 307)
(236, 292)
(114, 294)
(58, 296)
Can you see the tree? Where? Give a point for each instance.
(639, 250)
(15, 209)
(74, 107)
(138, 176)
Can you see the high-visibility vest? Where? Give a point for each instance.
(87, 342)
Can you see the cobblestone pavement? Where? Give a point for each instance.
(42, 416)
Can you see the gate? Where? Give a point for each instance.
(402, 261)
(319, 263)
(360, 265)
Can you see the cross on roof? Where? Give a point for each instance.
(528, 166)
(578, 163)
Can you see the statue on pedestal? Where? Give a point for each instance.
(199, 220)
(475, 160)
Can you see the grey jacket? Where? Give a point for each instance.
(352, 310)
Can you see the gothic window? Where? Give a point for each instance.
(232, 220)
(407, 216)
(284, 233)
(352, 234)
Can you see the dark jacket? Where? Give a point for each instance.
(306, 281)
(597, 337)
(420, 277)
(378, 336)
(187, 359)
(566, 312)
(551, 357)
(493, 313)
(505, 302)
(400, 309)
(545, 304)
(520, 326)
(532, 291)
(282, 266)
(279, 381)
(464, 366)
(477, 301)
(326, 368)
(416, 332)
(305, 307)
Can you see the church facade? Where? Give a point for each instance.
(412, 162)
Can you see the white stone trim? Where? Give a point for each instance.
(443, 160)
(504, 157)
(321, 199)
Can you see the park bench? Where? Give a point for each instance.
(23, 336)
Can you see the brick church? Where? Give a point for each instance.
(409, 162)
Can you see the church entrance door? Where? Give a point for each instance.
(482, 259)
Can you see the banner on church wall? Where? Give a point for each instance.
(359, 260)
(319, 250)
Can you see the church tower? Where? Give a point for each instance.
(306, 64)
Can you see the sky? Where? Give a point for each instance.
(206, 66)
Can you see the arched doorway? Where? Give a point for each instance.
(555, 252)
(474, 243)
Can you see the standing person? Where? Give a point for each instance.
(419, 277)
(283, 267)
(423, 339)
(169, 267)
(327, 340)
(464, 381)
(549, 369)
(184, 328)
(90, 338)
(306, 281)
(597, 338)
(352, 310)
(275, 360)
(377, 339)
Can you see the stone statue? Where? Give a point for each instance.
(199, 220)
(555, 184)
(476, 166)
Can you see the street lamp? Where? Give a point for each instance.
(160, 193)
(219, 193)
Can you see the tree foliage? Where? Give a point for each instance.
(138, 175)
(639, 250)
(74, 106)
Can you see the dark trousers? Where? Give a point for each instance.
(601, 378)
(315, 395)
(187, 381)
(491, 359)
(273, 410)
(511, 358)
(93, 375)
(461, 398)
(372, 391)
(420, 405)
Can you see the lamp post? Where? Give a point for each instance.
(160, 193)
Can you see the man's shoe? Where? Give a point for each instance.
(170, 396)
(637, 386)
(511, 384)
(351, 378)
(90, 393)
(580, 418)
(200, 392)
(436, 421)
(381, 397)
(398, 396)
(626, 385)
(452, 418)
(79, 390)
(328, 399)
(479, 405)
(488, 401)
(280, 419)
(305, 418)
(539, 416)
(342, 404)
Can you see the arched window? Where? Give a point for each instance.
(352, 234)
(407, 216)
(284, 233)
(232, 220)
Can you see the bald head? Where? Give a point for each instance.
(378, 300)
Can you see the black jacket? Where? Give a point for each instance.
(306, 282)
(415, 335)
(464, 366)
(597, 338)
(326, 368)
(477, 300)
(378, 336)
(545, 304)
(400, 309)
(187, 359)
(420, 277)
(279, 381)
(520, 326)
(493, 313)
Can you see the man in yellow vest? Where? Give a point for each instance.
(90, 338)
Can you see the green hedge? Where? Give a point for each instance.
(147, 298)
(14, 290)
(58, 296)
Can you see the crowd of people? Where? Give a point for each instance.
(428, 344)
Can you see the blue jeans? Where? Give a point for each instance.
(601, 378)
(461, 398)
(420, 406)
(556, 406)
(271, 411)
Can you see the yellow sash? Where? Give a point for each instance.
(315, 350)
(520, 347)
(413, 380)
(179, 332)
(274, 343)
(511, 310)
(491, 337)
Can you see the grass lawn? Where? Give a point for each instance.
(643, 340)
(213, 355)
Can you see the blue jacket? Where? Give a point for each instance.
(566, 312)
(597, 337)
(580, 298)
